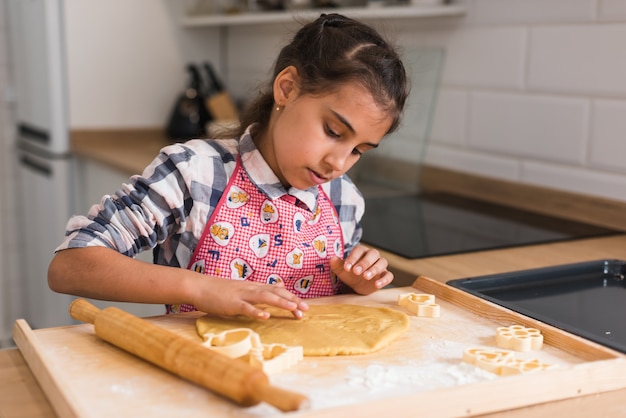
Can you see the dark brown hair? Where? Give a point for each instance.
(329, 52)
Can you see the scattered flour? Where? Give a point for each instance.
(377, 380)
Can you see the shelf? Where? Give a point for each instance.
(388, 12)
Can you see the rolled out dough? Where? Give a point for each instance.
(325, 330)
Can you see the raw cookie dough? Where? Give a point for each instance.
(325, 330)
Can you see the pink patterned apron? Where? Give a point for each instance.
(249, 237)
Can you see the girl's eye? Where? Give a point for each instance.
(356, 152)
(330, 132)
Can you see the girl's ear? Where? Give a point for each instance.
(286, 85)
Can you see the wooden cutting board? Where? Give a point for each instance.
(84, 376)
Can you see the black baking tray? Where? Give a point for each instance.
(587, 299)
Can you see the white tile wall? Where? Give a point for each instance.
(474, 162)
(575, 179)
(491, 57)
(612, 10)
(579, 59)
(537, 89)
(528, 126)
(608, 149)
(500, 12)
(450, 118)
(532, 91)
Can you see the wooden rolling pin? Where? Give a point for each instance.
(231, 378)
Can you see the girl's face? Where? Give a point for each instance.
(314, 139)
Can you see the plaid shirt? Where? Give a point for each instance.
(168, 206)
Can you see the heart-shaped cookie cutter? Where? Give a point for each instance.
(233, 343)
(421, 304)
(239, 342)
(519, 366)
(487, 359)
(273, 358)
(502, 362)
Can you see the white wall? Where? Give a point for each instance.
(533, 90)
(126, 60)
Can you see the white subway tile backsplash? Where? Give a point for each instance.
(472, 162)
(575, 179)
(450, 120)
(530, 11)
(402, 148)
(587, 59)
(608, 135)
(3, 18)
(483, 57)
(4, 47)
(543, 127)
(612, 10)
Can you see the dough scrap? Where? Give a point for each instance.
(325, 330)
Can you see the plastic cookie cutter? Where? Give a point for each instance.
(502, 362)
(233, 343)
(273, 358)
(240, 342)
(421, 304)
(487, 359)
(519, 338)
(519, 366)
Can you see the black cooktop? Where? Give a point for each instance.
(426, 225)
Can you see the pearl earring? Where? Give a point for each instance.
(278, 108)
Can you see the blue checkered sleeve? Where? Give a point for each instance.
(167, 205)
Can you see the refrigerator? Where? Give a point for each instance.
(37, 59)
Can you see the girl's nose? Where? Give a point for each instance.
(337, 160)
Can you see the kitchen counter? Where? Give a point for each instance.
(128, 151)
(21, 396)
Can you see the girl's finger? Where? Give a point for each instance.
(384, 280)
(372, 262)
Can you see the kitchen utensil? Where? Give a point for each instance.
(218, 100)
(189, 115)
(231, 378)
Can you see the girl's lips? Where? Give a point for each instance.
(317, 179)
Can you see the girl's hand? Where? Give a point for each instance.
(233, 297)
(364, 270)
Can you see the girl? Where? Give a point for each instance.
(268, 217)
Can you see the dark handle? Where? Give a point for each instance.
(214, 81)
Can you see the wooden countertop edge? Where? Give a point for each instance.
(127, 150)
